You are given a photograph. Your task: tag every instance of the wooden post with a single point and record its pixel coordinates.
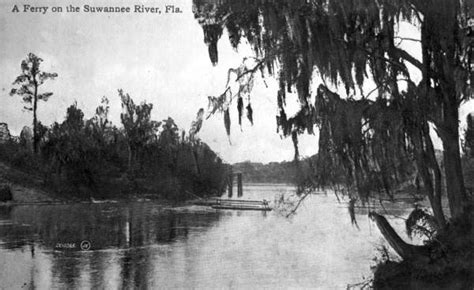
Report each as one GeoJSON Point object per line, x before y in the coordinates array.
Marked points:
{"type": "Point", "coordinates": [230, 183]}
{"type": "Point", "coordinates": [239, 185]}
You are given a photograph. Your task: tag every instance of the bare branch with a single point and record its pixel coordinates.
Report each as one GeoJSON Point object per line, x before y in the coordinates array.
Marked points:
{"type": "Point", "coordinates": [408, 57]}
{"type": "Point", "coordinates": [407, 38]}
{"type": "Point", "coordinates": [308, 192]}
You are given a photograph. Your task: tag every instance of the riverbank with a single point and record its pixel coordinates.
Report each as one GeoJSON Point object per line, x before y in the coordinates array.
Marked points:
{"type": "Point", "coordinates": [26, 195]}
{"type": "Point", "coordinates": [448, 265]}
{"type": "Point", "coordinates": [26, 188]}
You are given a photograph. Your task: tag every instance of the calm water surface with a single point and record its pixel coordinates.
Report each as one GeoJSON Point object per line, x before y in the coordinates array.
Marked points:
{"type": "Point", "coordinates": [151, 245]}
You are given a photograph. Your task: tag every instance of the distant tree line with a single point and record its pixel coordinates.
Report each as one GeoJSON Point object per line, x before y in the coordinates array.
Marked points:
{"type": "Point", "coordinates": [289, 172]}
{"type": "Point", "coordinates": [273, 172]}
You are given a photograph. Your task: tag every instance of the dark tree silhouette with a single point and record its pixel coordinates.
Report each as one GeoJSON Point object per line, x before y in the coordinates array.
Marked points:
{"type": "Point", "coordinates": [138, 126]}
{"type": "Point", "coordinates": [379, 138]}
{"type": "Point", "coordinates": [28, 83]}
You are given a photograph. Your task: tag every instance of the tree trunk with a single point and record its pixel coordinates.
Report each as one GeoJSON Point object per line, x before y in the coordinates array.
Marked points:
{"type": "Point", "coordinates": [454, 176]}
{"type": "Point", "coordinates": [404, 250]}
{"type": "Point", "coordinates": [35, 119]}
{"type": "Point", "coordinates": [440, 63]}
{"type": "Point", "coordinates": [129, 158]}
{"type": "Point", "coordinates": [449, 134]}
{"type": "Point", "coordinates": [428, 169]}
{"type": "Point", "coordinates": [433, 191]}
{"type": "Point", "coordinates": [446, 62]}
{"type": "Point", "coordinates": [436, 203]}
{"type": "Point", "coordinates": [196, 161]}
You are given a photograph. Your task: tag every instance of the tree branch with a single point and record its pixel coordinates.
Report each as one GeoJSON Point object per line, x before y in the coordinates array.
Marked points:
{"type": "Point", "coordinates": [299, 203]}
{"type": "Point", "coordinates": [408, 57]}
{"type": "Point", "coordinates": [407, 38]}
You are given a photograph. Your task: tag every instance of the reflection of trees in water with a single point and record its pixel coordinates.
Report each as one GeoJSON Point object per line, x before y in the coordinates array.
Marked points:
{"type": "Point", "coordinates": [98, 265]}
{"type": "Point", "coordinates": [5, 212]}
{"type": "Point", "coordinates": [65, 269]}
{"type": "Point", "coordinates": [131, 227]}
{"type": "Point", "coordinates": [105, 225]}
{"type": "Point", "coordinates": [12, 236]}
{"type": "Point", "coordinates": [136, 264]}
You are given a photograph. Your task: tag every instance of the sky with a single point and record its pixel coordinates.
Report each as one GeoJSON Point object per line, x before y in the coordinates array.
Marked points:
{"type": "Point", "coordinates": [160, 58]}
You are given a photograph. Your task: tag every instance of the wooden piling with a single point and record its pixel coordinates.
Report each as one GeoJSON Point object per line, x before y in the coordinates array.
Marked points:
{"type": "Point", "coordinates": [239, 185]}
{"type": "Point", "coordinates": [230, 183]}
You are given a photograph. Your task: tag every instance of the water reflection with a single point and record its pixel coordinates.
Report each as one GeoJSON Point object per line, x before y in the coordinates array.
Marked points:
{"type": "Point", "coordinates": [104, 225]}
{"type": "Point", "coordinates": [117, 232]}
{"type": "Point", "coordinates": [151, 245]}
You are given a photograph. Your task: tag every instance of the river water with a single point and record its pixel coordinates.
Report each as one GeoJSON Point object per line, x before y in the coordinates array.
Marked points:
{"type": "Point", "coordinates": [153, 245]}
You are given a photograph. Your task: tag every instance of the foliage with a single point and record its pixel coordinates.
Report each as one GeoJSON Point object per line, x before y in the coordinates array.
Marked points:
{"type": "Point", "coordinates": [381, 138]}
{"type": "Point", "coordinates": [421, 223]}
{"type": "Point", "coordinates": [327, 50]}
{"type": "Point", "coordinates": [138, 126]}
{"type": "Point", "coordinates": [275, 172]}
{"type": "Point", "coordinates": [90, 158]}
{"type": "Point", "coordinates": [197, 124]}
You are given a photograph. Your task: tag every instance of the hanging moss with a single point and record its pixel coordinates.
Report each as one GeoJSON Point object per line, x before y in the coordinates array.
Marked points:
{"type": "Point", "coordinates": [212, 33]}
{"type": "Point", "coordinates": [227, 121]}
{"type": "Point", "coordinates": [240, 107]}
{"type": "Point", "coordinates": [346, 42]}
{"type": "Point", "coordinates": [250, 113]}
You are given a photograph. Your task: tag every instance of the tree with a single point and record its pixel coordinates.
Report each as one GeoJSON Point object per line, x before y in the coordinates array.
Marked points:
{"type": "Point", "coordinates": [28, 83]}
{"type": "Point", "coordinates": [169, 143]}
{"type": "Point", "coordinates": [169, 135]}
{"type": "Point", "coordinates": [138, 126]}
{"type": "Point", "coordinates": [380, 136]}
{"type": "Point", "coordinates": [101, 118]}
{"type": "Point", "coordinates": [69, 150]}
